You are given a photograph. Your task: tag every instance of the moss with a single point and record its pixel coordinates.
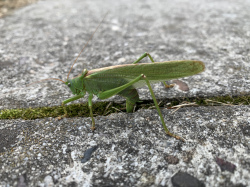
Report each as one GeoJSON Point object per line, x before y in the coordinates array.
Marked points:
{"type": "Point", "coordinates": [7, 6]}
{"type": "Point", "coordinates": [105, 108]}
{"type": "Point", "coordinates": [73, 110]}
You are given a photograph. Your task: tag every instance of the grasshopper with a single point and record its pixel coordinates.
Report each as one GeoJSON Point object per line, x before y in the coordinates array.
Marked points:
{"type": "Point", "coordinates": [124, 79]}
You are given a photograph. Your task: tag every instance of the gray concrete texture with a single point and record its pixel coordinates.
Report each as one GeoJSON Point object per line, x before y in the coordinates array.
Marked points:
{"type": "Point", "coordinates": [43, 39]}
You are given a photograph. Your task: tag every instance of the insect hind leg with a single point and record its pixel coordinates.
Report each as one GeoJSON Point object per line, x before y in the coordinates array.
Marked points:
{"type": "Point", "coordinates": [150, 57]}
{"type": "Point", "coordinates": [142, 57]}
{"type": "Point", "coordinates": [108, 93]}
{"type": "Point", "coordinates": [159, 111]}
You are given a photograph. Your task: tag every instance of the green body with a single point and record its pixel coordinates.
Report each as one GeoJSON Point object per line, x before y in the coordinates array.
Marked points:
{"type": "Point", "coordinates": [124, 79]}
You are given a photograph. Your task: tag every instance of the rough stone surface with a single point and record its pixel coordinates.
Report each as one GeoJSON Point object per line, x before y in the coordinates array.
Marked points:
{"type": "Point", "coordinates": [132, 148]}
{"type": "Point", "coordinates": [43, 39]}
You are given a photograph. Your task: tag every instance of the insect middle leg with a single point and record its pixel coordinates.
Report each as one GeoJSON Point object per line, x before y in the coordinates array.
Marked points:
{"type": "Point", "coordinates": [150, 57]}
{"type": "Point", "coordinates": [131, 96]}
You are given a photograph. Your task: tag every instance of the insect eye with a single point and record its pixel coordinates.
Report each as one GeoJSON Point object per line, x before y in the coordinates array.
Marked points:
{"type": "Point", "coordinates": [69, 84]}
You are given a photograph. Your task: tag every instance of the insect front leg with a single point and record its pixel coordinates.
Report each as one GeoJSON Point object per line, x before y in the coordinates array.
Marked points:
{"type": "Point", "coordinates": [90, 104]}
{"type": "Point", "coordinates": [150, 57]}
{"type": "Point", "coordinates": [67, 101]}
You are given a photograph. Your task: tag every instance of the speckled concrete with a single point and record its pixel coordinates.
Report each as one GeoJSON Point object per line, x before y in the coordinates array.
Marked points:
{"type": "Point", "coordinates": [133, 149]}
{"type": "Point", "coordinates": [42, 40]}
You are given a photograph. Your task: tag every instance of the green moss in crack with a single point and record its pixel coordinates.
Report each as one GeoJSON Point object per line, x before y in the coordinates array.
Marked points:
{"type": "Point", "coordinates": [73, 110]}
{"type": "Point", "coordinates": [105, 108]}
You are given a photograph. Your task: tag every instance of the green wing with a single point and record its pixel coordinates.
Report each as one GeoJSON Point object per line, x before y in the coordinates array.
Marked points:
{"type": "Point", "coordinates": [155, 72]}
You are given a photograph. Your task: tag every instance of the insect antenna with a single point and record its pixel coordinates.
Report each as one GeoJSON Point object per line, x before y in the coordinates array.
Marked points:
{"type": "Point", "coordinates": [75, 59]}
{"type": "Point", "coordinates": [45, 80]}
{"type": "Point", "coordinates": [86, 44]}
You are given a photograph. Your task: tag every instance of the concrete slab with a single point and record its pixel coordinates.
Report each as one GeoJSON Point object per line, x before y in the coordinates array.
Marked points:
{"type": "Point", "coordinates": [132, 149]}
{"type": "Point", "coordinates": [43, 39]}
